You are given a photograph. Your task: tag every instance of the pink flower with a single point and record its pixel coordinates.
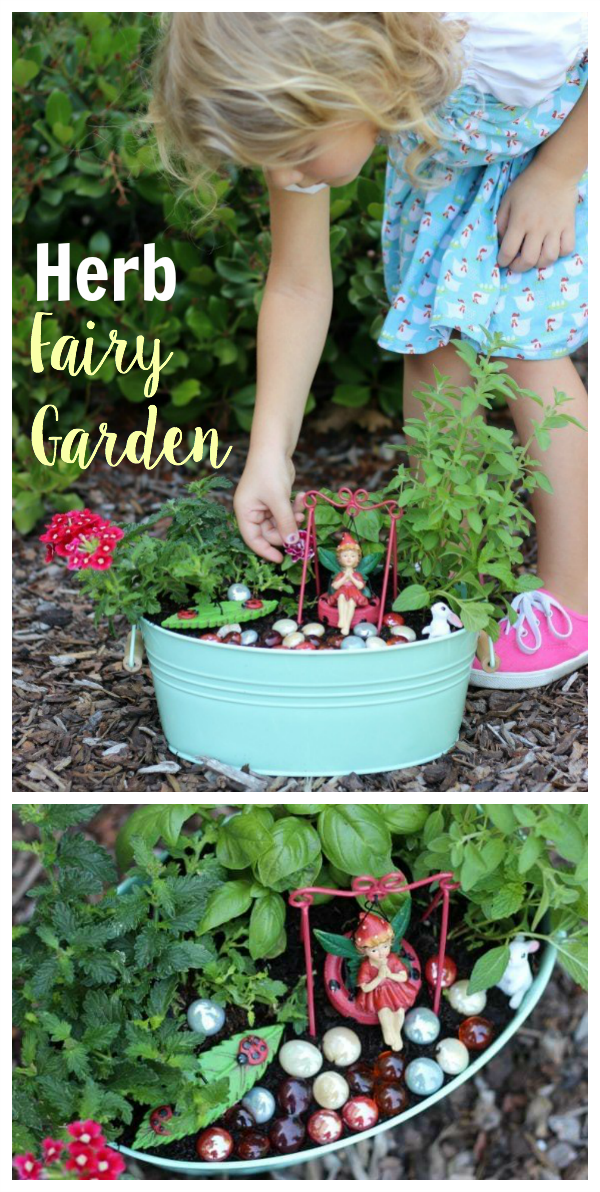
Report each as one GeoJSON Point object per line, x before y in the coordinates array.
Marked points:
{"type": "Point", "coordinates": [52, 1150]}
{"type": "Point", "coordinates": [88, 1133]}
{"type": "Point", "coordinates": [28, 1167]}
{"type": "Point", "coordinates": [109, 1164]}
{"type": "Point", "coordinates": [296, 549]}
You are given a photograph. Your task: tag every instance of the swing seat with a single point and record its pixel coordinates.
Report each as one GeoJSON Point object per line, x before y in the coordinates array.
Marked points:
{"type": "Point", "coordinates": [329, 614]}
{"type": "Point", "coordinates": [341, 997]}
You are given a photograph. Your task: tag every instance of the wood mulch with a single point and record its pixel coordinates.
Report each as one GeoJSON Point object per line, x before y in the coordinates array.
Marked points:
{"type": "Point", "coordinates": [524, 1117]}
{"type": "Point", "coordinates": [83, 724]}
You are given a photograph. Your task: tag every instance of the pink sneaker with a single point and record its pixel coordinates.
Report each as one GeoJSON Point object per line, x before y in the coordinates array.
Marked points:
{"type": "Point", "coordinates": [536, 649]}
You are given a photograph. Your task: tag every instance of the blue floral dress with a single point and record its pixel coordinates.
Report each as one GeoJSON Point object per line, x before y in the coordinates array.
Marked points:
{"type": "Point", "coordinates": [440, 245]}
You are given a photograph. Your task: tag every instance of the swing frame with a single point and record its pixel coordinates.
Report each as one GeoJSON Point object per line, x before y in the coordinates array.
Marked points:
{"type": "Point", "coordinates": [374, 889]}
{"type": "Point", "coordinates": [352, 502]}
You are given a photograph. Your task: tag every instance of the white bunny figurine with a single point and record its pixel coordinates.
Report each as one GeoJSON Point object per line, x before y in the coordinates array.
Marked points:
{"type": "Point", "coordinates": [442, 619]}
{"type": "Point", "coordinates": [517, 978]}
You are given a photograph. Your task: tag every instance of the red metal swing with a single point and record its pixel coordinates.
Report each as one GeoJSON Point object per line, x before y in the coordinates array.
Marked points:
{"type": "Point", "coordinates": [374, 889]}
{"type": "Point", "coordinates": [352, 503]}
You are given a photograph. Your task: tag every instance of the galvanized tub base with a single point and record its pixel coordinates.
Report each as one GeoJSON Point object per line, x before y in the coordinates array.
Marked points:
{"type": "Point", "coordinates": [277, 1162]}
{"type": "Point", "coordinates": [308, 714]}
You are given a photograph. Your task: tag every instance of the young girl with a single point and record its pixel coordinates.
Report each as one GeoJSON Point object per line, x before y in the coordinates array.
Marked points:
{"type": "Point", "coordinates": [383, 980]}
{"type": "Point", "coordinates": [484, 116]}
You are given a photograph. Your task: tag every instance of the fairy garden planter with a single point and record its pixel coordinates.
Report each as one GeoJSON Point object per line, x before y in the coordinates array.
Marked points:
{"type": "Point", "coordinates": [295, 671]}
{"type": "Point", "coordinates": [245, 997]}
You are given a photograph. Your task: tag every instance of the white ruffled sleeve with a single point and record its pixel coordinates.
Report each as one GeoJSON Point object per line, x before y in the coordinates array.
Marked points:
{"type": "Point", "coordinates": [520, 58]}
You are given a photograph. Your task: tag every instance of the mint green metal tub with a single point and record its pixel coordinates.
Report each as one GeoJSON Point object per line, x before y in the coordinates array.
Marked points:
{"type": "Point", "coordinates": [276, 1162]}
{"type": "Point", "coordinates": [301, 714]}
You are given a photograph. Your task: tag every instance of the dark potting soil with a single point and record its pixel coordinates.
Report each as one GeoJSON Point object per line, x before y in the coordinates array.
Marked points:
{"type": "Point", "coordinates": [338, 917]}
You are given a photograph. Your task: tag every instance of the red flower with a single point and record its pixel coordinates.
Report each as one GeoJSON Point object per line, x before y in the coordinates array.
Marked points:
{"type": "Point", "coordinates": [82, 537]}
{"type": "Point", "coordinates": [109, 1164]}
{"type": "Point", "coordinates": [83, 1159]}
{"type": "Point", "coordinates": [52, 1150]}
{"type": "Point", "coordinates": [28, 1167]}
{"type": "Point", "coordinates": [88, 1133]}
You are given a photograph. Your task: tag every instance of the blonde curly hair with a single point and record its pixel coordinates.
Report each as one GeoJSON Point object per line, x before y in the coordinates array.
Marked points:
{"type": "Point", "coordinates": [253, 87]}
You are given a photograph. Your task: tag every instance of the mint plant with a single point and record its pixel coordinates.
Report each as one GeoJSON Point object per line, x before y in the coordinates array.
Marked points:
{"type": "Point", "coordinates": [465, 518]}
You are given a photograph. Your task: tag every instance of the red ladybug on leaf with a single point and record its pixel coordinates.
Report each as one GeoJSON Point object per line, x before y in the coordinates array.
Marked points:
{"type": "Point", "coordinates": [253, 1050]}
{"type": "Point", "coordinates": [159, 1117]}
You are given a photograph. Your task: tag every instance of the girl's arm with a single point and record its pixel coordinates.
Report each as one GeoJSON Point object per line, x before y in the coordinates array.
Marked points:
{"type": "Point", "coordinates": [536, 218]}
{"type": "Point", "coordinates": [292, 328]}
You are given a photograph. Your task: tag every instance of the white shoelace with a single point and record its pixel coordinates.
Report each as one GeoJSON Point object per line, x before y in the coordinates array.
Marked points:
{"type": "Point", "coordinates": [526, 604]}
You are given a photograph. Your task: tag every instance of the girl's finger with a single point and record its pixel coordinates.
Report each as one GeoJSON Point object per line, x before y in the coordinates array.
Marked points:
{"type": "Point", "coordinates": [567, 242]}
{"type": "Point", "coordinates": [503, 216]}
{"type": "Point", "coordinates": [550, 251]}
{"type": "Point", "coordinates": [510, 245]}
{"type": "Point", "coordinates": [529, 255]}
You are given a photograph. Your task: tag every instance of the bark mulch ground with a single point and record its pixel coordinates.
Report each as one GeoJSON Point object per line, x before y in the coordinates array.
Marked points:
{"type": "Point", "coordinates": [83, 724]}
{"type": "Point", "coordinates": [524, 1117]}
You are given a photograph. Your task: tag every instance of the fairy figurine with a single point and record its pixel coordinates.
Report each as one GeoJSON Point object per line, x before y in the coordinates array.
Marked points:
{"type": "Point", "coordinates": [373, 974]}
{"type": "Point", "coordinates": [383, 979]}
{"type": "Point", "coordinates": [347, 586]}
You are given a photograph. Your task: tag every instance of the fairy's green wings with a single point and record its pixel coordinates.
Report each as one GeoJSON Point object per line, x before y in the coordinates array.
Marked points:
{"type": "Point", "coordinates": [342, 945]}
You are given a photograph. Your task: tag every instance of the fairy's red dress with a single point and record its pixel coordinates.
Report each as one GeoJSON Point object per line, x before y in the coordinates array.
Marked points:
{"type": "Point", "coordinates": [390, 994]}
{"type": "Point", "coordinates": [349, 590]}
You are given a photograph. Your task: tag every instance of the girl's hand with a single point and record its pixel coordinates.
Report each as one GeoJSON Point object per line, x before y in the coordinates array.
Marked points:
{"type": "Point", "coordinates": [263, 508]}
{"type": "Point", "coordinates": [536, 219]}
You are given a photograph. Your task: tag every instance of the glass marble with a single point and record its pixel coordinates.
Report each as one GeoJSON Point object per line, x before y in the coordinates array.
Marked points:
{"type": "Point", "coordinates": [403, 631]}
{"type": "Point", "coordinates": [452, 1056]}
{"type": "Point", "coordinates": [421, 1026]}
{"type": "Point", "coordinates": [261, 1104]}
{"type": "Point", "coordinates": [389, 1066]}
{"type": "Point", "coordinates": [365, 629]}
{"type": "Point", "coordinates": [330, 1090]}
{"type": "Point", "coordinates": [353, 643]}
{"type": "Point", "coordinates": [375, 643]}
{"type": "Point", "coordinates": [238, 1118]}
{"type": "Point", "coordinates": [214, 1145]}
{"type": "Point", "coordinates": [251, 1144]}
{"type": "Point", "coordinates": [287, 1135]}
{"type": "Point", "coordinates": [271, 638]}
{"type": "Point", "coordinates": [239, 592]}
{"type": "Point", "coordinates": [341, 1046]}
{"type": "Point", "coordinates": [424, 1077]}
{"type": "Point", "coordinates": [476, 1033]}
{"type": "Point", "coordinates": [360, 1113]}
{"type": "Point", "coordinates": [463, 1002]}
{"type": "Point", "coordinates": [325, 1126]}
{"type": "Point", "coordinates": [390, 619]}
{"type": "Point", "coordinates": [390, 1099]}
{"type": "Point", "coordinates": [249, 637]}
{"type": "Point", "coordinates": [285, 626]}
{"type": "Point", "coordinates": [205, 1017]}
{"type": "Point", "coordinates": [299, 1058]}
{"type": "Point", "coordinates": [360, 1077]}
{"type": "Point", "coordinates": [449, 971]}
{"type": "Point", "coordinates": [294, 1096]}
{"type": "Point", "coordinates": [313, 629]}
{"type": "Point", "coordinates": [293, 639]}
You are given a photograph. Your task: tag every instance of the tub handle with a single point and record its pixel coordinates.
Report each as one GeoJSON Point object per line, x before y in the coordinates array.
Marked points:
{"type": "Point", "coordinates": [134, 651]}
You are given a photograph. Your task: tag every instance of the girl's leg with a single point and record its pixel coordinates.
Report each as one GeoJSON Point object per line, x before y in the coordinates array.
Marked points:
{"type": "Point", "coordinates": [418, 371]}
{"type": "Point", "coordinates": [561, 516]}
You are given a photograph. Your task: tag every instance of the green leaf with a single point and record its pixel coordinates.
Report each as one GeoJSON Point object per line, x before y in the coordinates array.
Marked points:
{"type": "Point", "coordinates": [266, 924]}
{"type": "Point", "coordinates": [573, 956]}
{"type": "Point", "coordinates": [356, 840]}
{"type": "Point", "coordinates": [243, 837]}
{"type": "Point", "coordinates": [151, 824]}
{"type": "Point", "coordinates": [489, 969]}
{"type": "Point", "coordinates": [530, 852]}
{"type": "Point", "coordinates": [413, 597]}
{"type": "Point", "coordinates": [227, 902]}
{"type": "Point", "coordinates": [294, 845]}
{"type": "Point", "coordinates": [24, 70]}
{"type": "Point", "coordinates": [185, 392]}
{"type": "Point", "coordinates": [222, 1061]}
{"type": "Point", "coordinates": [405, 818]}
{"type": "Point", "coordinates": [58, 108]}
{"type": "Point", "coordinates": [565, 835]}
{"type": "Point", "coordinates": [505, 902]}
{"type": "Point", "coordinates": [501, 817]}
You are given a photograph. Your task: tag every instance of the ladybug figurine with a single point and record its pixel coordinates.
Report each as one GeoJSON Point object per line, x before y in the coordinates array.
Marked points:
{"type": "Point", "coordinates": [159, 1117]}
{"type": "Point", "coordinates": [253, 1050]}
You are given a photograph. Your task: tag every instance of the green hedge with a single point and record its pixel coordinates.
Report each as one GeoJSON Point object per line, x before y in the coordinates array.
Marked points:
{"type": "Point", "coordinates": [85, 176]}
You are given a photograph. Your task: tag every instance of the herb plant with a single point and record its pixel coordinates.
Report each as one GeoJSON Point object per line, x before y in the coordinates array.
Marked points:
{"type": "Point", "coordinates": [465, 518]}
